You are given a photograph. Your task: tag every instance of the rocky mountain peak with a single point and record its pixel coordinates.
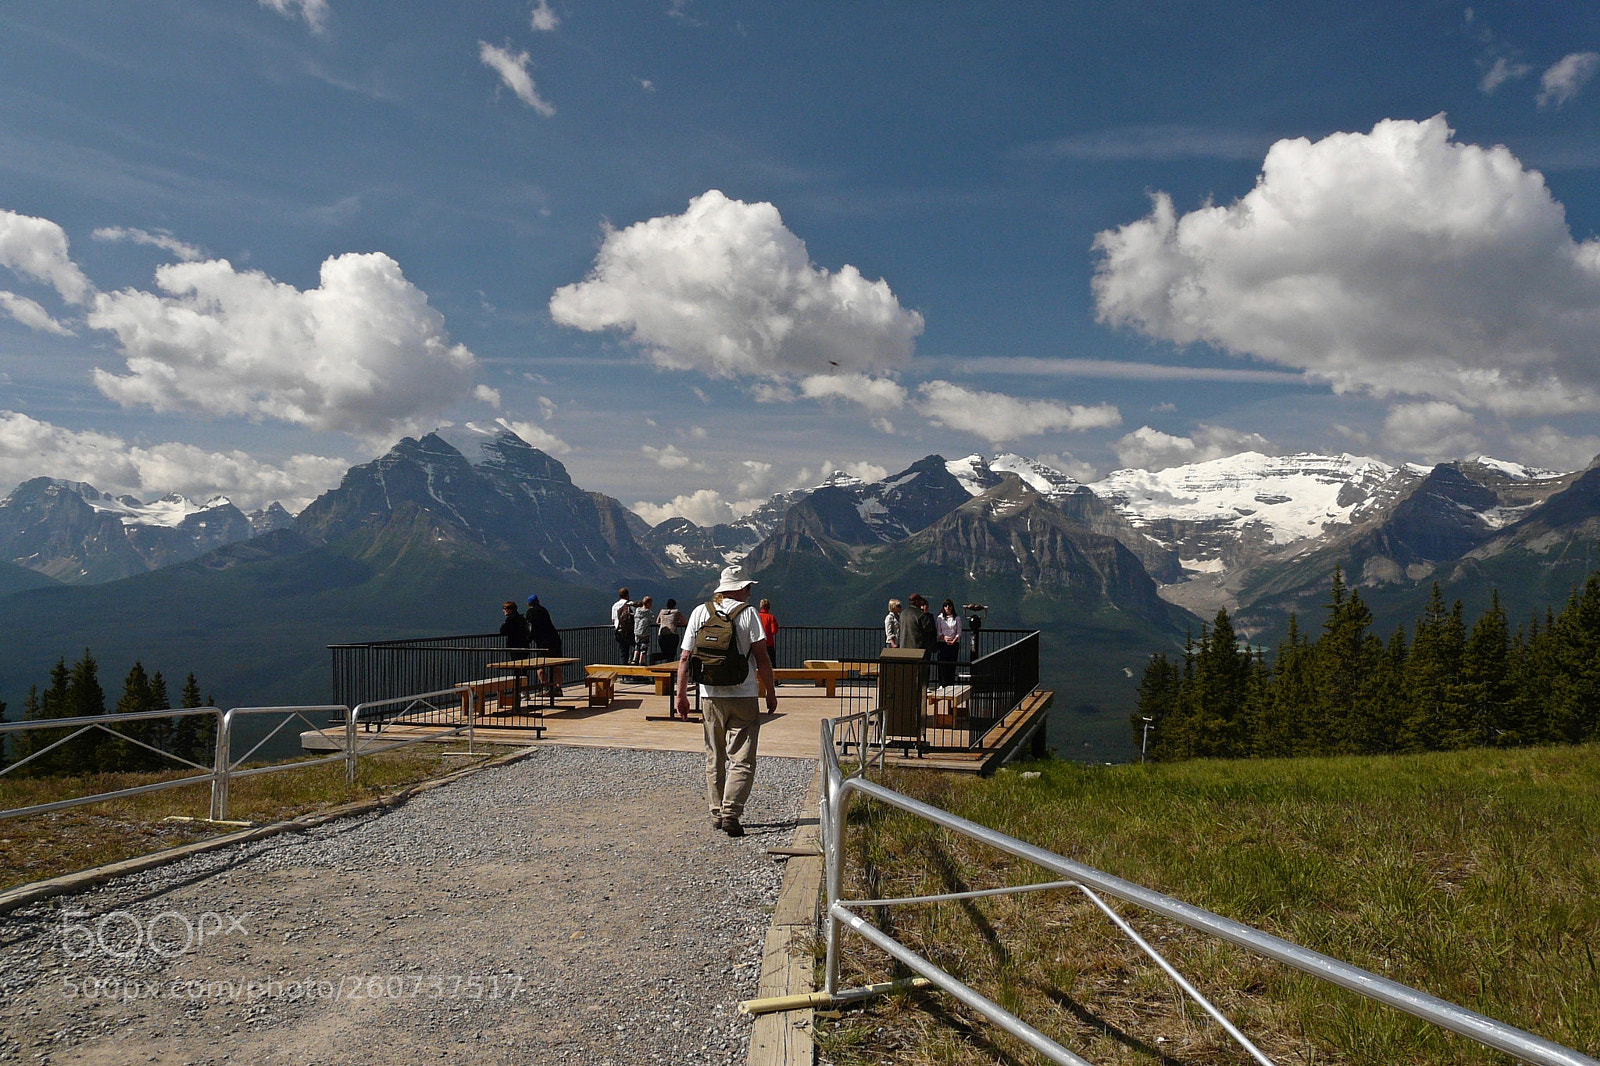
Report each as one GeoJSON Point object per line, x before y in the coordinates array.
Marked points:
{"type": "Point", "coordinates": [493, 447]}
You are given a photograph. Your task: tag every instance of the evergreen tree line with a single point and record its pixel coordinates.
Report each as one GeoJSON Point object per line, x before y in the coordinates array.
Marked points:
{"type": "Point", "coordinates": [1348, 691]}
{"type": "Point", "coordinates": [75, 691]}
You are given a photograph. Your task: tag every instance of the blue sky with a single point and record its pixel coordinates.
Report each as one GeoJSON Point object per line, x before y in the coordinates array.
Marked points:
{"type": "Point", "coordinates": [705, 251]}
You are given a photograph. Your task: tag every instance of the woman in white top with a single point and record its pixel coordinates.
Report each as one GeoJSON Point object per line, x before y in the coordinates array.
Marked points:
{"type": "Point", "coordinates": [891, 625]}
{"type": "Point", "coordinates": [948, 648]}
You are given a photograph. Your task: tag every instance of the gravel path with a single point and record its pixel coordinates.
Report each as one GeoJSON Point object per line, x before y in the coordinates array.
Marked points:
{"type": "Point", "coordinates": [572, 907]}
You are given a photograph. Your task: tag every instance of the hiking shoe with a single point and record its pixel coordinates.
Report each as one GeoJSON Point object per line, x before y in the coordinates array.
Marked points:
{"type": "Point", "coordinates": [716, 821]}
{"type": "Point", "coordinates": [732, 827]}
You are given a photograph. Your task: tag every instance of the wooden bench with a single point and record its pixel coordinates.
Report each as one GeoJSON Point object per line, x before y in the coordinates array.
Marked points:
{"type": "Point", "coordinates": [505, 691]}
{"type": "Point", "coordinates": [661, 673]}
{"type": "Point", "coordinates": [602, 683]}
{"type": "Point", "coordinates": [946, 704]}
{"type": "Point", "coordinates": [824, 677]}
{"type": "Point", "coordinates": [665, 675]}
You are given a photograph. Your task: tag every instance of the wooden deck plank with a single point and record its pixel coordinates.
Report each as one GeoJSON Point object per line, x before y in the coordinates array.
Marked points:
{"type": "Point", "coordinates": [637, 719]}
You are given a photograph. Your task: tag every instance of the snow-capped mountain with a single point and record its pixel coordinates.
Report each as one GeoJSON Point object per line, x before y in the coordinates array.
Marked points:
{"type": "Point", "coordinates": [73, 532]}
{"type": "Point", "coordinates": [978, 475]}
{"type": "Point", "coordinates": [1218, 512]}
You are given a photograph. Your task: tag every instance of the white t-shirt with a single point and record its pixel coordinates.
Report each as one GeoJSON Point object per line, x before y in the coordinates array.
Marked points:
{"type": "Point", "coordinates": [617, 610]}
{"type": "Point", "coordinates": [747, 634]}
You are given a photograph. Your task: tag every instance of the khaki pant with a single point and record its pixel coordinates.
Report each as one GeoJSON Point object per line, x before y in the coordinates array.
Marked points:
{"type": "Point", "coordinates": [732, 724]}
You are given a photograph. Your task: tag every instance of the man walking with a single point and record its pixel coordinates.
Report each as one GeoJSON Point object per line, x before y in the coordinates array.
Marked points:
{"type": "Point", "coordinates": [732, 708]}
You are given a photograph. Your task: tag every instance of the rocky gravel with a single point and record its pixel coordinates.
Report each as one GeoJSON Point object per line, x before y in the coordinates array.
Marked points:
{"type": "Point", "coordinates": [575, 906]}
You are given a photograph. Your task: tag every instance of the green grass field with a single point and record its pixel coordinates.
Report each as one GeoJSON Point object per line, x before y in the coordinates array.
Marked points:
{"type": "Point", "coordinates": [1474, 876]}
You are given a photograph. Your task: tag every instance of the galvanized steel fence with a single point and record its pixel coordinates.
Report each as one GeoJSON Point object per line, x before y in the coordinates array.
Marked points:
{"type": "Point", "coordinates": [839, 787]}
{"type": "Point", "coordinates": [452, 711]}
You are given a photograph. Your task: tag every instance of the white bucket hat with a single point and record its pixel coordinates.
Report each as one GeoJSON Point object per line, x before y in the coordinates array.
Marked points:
{"type": "Point", "coordinates": [733, 579]}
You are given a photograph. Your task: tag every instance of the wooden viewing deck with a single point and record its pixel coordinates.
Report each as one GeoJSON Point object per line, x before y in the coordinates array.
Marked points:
{"type": "Point", "coordinates": [637, 718]}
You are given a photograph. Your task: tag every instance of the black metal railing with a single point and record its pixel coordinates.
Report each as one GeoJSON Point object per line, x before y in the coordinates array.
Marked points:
{"type": "Point", "coordinates": [388, 669]}
{"type": "Point", "coordinates": [944, 706]}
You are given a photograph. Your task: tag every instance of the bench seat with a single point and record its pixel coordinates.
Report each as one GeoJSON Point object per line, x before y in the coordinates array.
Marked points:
{"type": "Point", "coordinates": [505, 691]}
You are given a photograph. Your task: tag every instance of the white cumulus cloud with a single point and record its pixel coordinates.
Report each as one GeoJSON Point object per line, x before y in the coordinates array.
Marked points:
{"type": "Point", "coordinates": [1071, 466]}
{"type": "Point", "coordinates": [1553, 449]}
{"type": "Point", "coordinates": [31, 314]}
{"type": "Point", "coordinates": [875, 394]}
{"type": "Point", "coordinates": [1392, 262]}
{"type": "Point", "coordinates": [537, 436]}
{"type": "Point", "coordinates": [1147, 448]}
{"type": "Point", "coordinates": [670, 458]}
{"type": "Point", "coordinates": [513, 71]}
{"type": "Point", "coordinates": [30, 448]}
{"type": "Point", "coordinates": [1431, 432]}
{"type": "Point", "coordinates": [1562, 81]}
{"type": "Point", "coordinates": [997, 418]}
{"type": "Point", "coordinates": [189, 253]}
{"type": "Point", "coordinates": [36, 248]}
{"type": "Point", "coordinates": [703, 507]}
{"type": "Point", "coordinates": [363, 352]}
{"type": "Point", "coordinates": [727, 289]}
{"type": "Point", "coordinates": [754, 476]}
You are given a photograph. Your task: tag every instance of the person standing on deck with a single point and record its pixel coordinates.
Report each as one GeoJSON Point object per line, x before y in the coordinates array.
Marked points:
{"type": "Point", "coordinates": [732, 712]}
{"type": "Point", "coordinates": [515, 627]}
{"type": "Point", "coordinates": [669, 627]}
{"type": "Point", "coordinates": [543, 634]}
{"type": "Point", "coordinates": [769, 626]}
{"type": "Point", "coordinates": [891, 625]}
{"type": "Point", "coordinates": [948, 649]}
{"type": "Point", "coordinates": [622, 625]}
{"type": "Point", "coordinates": [643, 616]}
{"type": "Point", "coordinates": [918, 630]}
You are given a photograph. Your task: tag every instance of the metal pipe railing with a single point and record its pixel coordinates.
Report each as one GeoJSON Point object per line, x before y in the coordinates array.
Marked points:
{"type": "Point", "coordinates": [838, 788]}
{"type": "Point", "coordinates": [104, 723]}
{"type": "Point", "coordinates": [225, 768]}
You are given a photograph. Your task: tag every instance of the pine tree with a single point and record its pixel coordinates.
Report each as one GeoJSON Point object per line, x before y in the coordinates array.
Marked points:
{"type": "Point", "coordinates": [138, 695]}
{"type": "Point", "coordinates": [1485, 677]}
{"type": "Point", "coordinates": [1434, 716]}
{"type": "Point", "coordinates": [194, 735]}
{"type": "Point", "coordinates": [1159, 693]}
{"type": "Point", "coordinates": [1346, 655]}
{"type": "Point", "coordinates": [53, 702]}
{"type": "Point", "coordinates": [1574, 697]}
{"type": "Point", "coordinates": [1291, 721]}
{"type": "Point", "coordinates": [1216, 703]}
